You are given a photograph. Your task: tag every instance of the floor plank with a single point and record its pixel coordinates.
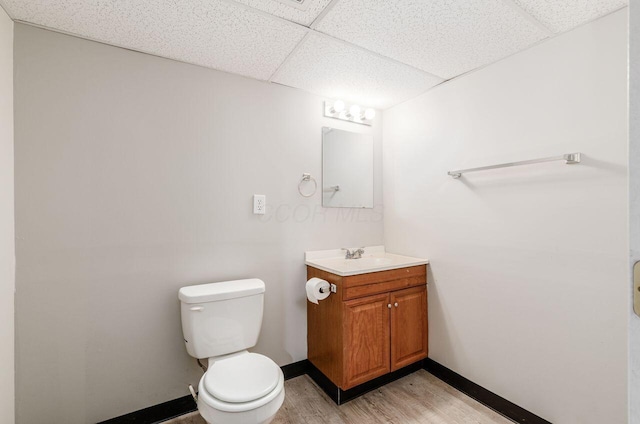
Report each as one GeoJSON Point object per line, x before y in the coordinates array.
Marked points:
{"type": "Point", "coordinates": [419, 398]}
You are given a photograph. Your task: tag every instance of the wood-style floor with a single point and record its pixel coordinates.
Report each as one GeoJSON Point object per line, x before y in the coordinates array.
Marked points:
{"type": "Point", "coordinates": [416, 398]}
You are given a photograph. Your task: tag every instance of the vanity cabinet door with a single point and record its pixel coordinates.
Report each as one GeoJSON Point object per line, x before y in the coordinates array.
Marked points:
{"type": "Point", "coordinates": [409, 338]}
{"type": "Point", "coordinates": [366, 339]}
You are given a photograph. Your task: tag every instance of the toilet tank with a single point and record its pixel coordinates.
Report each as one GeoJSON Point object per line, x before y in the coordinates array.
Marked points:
{"type": "Point", "coordinates": [221, 318]}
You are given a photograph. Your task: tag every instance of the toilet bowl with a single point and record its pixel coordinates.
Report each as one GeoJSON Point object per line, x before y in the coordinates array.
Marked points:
{"type": "Point", "coordinates": [243, 388]}
{"type": "Point", "coordinates": [220, 321]}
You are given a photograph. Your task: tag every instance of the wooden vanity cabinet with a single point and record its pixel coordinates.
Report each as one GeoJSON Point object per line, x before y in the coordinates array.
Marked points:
{"type": "Point", "coordinates": [376, 323]}
{"type": "Point", "coordinates": [366, 339]}
{"type": "Point", "coordinates": [409, 341]}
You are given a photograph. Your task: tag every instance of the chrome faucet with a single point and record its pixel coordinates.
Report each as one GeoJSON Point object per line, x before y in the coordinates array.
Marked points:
{"type": "Point", "coordinates": [355, 254]}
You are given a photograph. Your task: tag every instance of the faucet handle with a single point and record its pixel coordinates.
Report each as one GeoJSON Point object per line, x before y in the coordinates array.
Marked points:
{"type": "Point", "coordinates": [349, 254]}
{"type": "Point", "coordinates": [357, 254]}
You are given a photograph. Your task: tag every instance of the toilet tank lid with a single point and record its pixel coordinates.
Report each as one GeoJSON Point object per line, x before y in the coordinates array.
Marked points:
{"type": "Point", "coordinates": [213, 292]}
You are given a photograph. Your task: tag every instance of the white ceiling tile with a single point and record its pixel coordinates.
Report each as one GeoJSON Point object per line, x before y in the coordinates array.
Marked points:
{"type": "Point", "coordinates": [560, 16]}
{"type": "Point", "coordinates": [335, 69]}
{"type": "Point", "coordinates": [304, 14]}
{"type": "Point", "coordinates": [212, 33]}
{"type": "Point", "coordinates": [443, 37]}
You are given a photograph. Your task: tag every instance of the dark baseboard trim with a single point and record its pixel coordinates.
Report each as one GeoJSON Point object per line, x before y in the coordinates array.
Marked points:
{"type": "Point", "coordinates": [296, 369]}
{"type": "Point", "coordinates": [184, 405]}
{"type": "Point", "coordinates": [489, 399]}
{"type": "Point", "coordinates": [340, 396]}
{"type": "Point", "coordinates": [174, 408]}
{"type": "Point", "coordinates": [157, 413]}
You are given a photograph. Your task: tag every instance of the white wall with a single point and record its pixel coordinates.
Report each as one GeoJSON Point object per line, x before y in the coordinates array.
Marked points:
{"type": "Point", "coordinates": [634, 204]}
{"type": "Point", "coordinates": [528, 288]}
{"type": "Point", "coordinates": [7, 243]}
{"type": "Point", "coordinates": [134, 177]}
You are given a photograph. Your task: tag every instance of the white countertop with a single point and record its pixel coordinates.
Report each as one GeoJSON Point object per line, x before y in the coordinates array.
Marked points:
{"type": "Point", "coordinates": [374, 259]}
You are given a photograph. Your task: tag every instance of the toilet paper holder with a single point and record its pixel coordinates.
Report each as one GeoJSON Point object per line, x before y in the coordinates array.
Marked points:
{"type": "Point", "coordinates": [332, 288]}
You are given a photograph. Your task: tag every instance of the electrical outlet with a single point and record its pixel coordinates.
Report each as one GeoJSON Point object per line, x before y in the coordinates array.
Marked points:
{"type": "Point", "coordinates": [259, 204]}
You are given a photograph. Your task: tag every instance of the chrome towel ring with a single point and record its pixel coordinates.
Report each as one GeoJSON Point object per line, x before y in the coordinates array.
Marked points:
{"type": "Point", "coordinates": [305, 178]}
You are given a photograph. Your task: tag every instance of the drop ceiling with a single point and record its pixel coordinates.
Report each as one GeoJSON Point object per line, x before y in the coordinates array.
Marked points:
{"type": "Point", "coordinates": [374, 52]}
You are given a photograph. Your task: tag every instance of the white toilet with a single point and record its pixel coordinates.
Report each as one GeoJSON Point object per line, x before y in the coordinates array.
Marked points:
{"type": "Point", "coordinates": [219, 322]}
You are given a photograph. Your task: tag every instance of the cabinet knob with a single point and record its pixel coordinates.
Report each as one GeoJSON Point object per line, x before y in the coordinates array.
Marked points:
{"type": "Point", "coordinates": [395, 304]}
{"type": "Point", "coordinates": [389, 306]}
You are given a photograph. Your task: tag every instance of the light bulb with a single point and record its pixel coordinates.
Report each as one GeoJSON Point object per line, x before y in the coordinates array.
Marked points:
{"type": "Point", "coordinates": [354, 111]}
{"type": "Point", "coordinates": [369, 114]}
{"type": "Point", "coordinates": [338, 106]}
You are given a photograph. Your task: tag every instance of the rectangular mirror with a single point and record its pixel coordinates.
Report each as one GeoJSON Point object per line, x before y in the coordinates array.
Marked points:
{"type": "Point", "coordinates": [347, 169]}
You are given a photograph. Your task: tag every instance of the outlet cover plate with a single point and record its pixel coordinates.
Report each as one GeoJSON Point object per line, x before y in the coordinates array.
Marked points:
{"type": "Point", "coordinates": [259, 204]}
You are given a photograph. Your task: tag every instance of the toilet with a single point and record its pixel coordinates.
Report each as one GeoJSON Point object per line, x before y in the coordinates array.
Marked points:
{"type": "Point", "coordinates": [220, 321]}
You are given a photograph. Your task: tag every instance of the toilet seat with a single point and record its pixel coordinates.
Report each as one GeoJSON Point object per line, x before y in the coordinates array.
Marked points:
{"type": "Point", "coordinates": [242, 378]}
{"type": "Point", "coordinates": [208, 382]}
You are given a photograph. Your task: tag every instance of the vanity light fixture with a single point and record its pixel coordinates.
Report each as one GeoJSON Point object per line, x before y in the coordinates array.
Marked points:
{"type": "Point", "coordinates": [369, 114]}
{"type": "Point", "coordinates": [338, 107]}
{"type": "Point", "coordinates": [354, 113]}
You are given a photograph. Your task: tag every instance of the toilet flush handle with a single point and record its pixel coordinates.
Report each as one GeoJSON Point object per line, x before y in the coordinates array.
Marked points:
{"type": "Point", "coordinates": [197, 308]}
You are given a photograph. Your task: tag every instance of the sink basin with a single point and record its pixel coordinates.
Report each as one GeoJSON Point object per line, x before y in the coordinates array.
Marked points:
{"type": "Point", "coordinates": [374, 259]}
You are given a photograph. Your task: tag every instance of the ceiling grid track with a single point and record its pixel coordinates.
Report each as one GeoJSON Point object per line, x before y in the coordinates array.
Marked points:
{"type": "Point", "coordinates": [381, 56]}
{"type": "Point", "coordinates": [289, 56]}
{"type": "Point", "coordinates": [518, 9]}
{"type": "Point", "coordinates": [311, 29]}
{"type": "Point", "coordinates": [322, 14]}
{"type": "Point", "coordinates": [265, 14]}
{"type": "Point", "coordinates": [315, 22]}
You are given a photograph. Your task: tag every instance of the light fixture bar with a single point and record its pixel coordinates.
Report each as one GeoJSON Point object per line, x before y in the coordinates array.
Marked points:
{"type": "Point", "coordinates": [349, 112]}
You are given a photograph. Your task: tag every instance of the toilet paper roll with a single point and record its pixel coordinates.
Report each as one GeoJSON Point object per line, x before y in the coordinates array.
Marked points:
{"type": "Point", "coordinates": [313, 287]}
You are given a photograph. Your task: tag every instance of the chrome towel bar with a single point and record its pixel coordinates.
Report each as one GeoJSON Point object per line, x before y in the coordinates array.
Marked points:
{"type": "Point", "coordinates": [569, 158]}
